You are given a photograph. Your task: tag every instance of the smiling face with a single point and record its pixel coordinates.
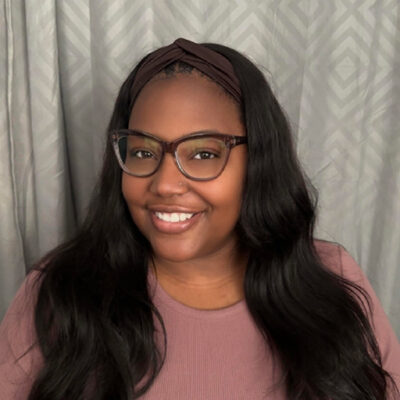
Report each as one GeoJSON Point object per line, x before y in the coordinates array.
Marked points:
{"type": "Point", "coordinates": [169, 109]}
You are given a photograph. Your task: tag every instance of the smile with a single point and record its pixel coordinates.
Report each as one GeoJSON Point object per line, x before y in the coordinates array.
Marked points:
{"type": "Point", "coordinates": [174, 222]}
{"type": "Point", "coordinates": [173, 217]}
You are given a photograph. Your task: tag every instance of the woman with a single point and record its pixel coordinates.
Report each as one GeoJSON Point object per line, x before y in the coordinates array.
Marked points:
{"type": "Point", "coordinates": [196, 274]}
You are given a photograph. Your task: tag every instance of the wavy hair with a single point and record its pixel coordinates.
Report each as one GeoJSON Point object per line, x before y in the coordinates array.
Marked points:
{"type": "Point", "coordinates": [94, 315]}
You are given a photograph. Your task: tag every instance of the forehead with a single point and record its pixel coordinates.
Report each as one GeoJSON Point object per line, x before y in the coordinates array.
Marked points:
{"type": "Point", "coordinates": [176, 106]}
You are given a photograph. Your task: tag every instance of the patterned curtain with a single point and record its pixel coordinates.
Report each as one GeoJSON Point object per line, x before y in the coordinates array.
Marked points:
{"type": "Point", "coordinates": [334, 65]}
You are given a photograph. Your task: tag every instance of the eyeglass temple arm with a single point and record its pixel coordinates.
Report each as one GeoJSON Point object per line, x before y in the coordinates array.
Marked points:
{"type": "Point", "coordinates": [236, 140]}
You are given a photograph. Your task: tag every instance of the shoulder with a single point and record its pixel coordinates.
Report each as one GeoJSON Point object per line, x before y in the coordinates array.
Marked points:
{"type": "Point", "coordinates": [19, 354]}
{"type": "Point", "coordinates": [338, 260]}
{"type": "Point", "coordinates": [335, 258]}
{"type": "Point", "coordinates": [17, 327]}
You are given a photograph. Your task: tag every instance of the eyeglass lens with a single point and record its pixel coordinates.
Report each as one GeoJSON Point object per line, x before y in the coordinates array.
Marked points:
{"type": "Point", "coordinates": [200, 158]}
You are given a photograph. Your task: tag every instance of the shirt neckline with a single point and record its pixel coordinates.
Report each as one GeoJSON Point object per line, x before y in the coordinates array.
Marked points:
{"type": "Point", "coordinates": [160, 296]}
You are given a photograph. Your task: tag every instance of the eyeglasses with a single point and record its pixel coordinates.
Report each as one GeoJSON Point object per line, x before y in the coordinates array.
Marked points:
{"type": "Point", "coordinates": [200, 156]}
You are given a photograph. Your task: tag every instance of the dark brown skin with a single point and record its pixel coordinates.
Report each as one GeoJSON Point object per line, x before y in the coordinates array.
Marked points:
{"type": "Point", "coordinates": [200, 267]}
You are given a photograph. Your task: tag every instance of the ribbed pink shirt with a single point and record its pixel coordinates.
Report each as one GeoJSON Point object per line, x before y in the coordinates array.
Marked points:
{"type": "Point", "coordinates": [211, 355]}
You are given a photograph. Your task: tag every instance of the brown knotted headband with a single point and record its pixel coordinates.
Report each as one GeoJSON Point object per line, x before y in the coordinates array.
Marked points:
{"type": "Point", "coordinates": [209, 62]}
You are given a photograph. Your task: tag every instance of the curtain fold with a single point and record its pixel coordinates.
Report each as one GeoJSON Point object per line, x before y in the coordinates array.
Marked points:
{"type": "Point", "coordinates": [36, 210]}
{"type": "Point", "coordinates": [334, 65]}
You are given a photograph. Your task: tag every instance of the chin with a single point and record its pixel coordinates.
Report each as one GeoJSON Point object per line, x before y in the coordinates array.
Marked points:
{"type": "Point", "coordinates": [174, 257]}
{"type": "Point", "coordinates": [174, 254]}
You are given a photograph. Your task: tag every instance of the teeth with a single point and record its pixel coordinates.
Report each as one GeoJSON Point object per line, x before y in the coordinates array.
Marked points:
{"type": "Point", "coordinates": [173, 217]}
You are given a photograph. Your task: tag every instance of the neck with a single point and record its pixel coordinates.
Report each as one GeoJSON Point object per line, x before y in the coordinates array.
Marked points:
{"type": "Point", "coordinates": [210, 283]}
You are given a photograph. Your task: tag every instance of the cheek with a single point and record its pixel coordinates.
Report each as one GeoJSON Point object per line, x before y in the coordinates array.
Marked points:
{"type": "Point", "coordinates": [127, 188]}
{"type": "Point", "coordinates": [133, 190]}
{"type": "Point", "coordinates": [232, 189]}
{"type": "Point", "coordinates": [226, 197]}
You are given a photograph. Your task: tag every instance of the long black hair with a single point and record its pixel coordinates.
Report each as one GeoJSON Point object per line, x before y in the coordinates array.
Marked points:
{"type": "Point", "coordinates": [94, 317]}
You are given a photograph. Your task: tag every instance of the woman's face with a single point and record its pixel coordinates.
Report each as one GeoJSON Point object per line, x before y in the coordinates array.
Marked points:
{"type": "Point", "coordinates": [170, 108]}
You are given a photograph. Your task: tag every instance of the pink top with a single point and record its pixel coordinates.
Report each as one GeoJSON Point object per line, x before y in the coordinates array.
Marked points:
{"type": "Point", "coordinates": [215, 354]}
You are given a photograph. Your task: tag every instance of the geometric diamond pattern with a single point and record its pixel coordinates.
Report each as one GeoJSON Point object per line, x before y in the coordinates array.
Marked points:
{"type": "Point", "coordinates": [332, 64]}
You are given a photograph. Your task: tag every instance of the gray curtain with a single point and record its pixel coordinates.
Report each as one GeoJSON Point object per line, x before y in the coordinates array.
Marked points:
{"type": "Point", "coordinates": [334, 65]}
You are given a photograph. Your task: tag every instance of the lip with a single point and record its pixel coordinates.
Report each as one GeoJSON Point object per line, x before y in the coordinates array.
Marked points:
{"type": "Point", "coordinates": [172, 209]}
{"type": "Point", "coordinates": [174, 227]}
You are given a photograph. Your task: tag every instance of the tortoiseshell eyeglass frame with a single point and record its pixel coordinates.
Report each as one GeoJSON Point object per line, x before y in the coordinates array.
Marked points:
{"type": "Point", "coordinates": [230, 142]}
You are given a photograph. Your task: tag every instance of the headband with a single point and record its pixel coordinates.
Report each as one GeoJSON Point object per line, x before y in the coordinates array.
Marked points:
{"type": "Point", "coordinates": [211, 63]}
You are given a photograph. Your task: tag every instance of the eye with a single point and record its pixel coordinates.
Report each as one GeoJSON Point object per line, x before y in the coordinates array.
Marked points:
{"type": "Point", "coordinates": [141, 154]}
{"type": "Point", "coordinates": [205, 155]}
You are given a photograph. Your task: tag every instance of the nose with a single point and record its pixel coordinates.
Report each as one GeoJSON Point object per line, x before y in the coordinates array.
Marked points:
{"type": "Point", "coordinates": [168, 180]}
